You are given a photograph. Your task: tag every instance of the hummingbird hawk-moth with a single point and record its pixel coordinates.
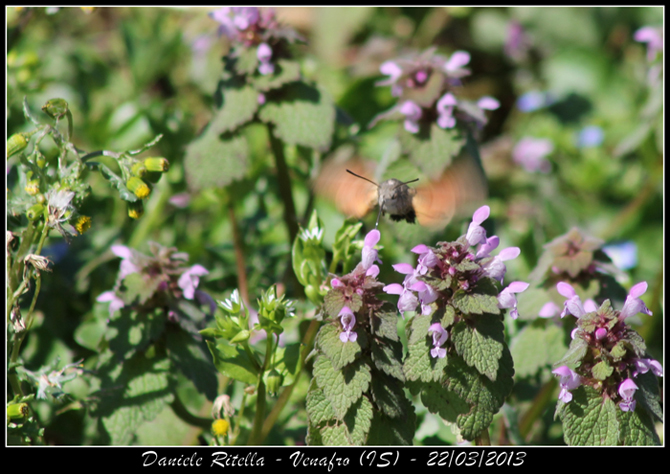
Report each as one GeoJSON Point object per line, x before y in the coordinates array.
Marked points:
{"type": "Point", "coordinates": [433, 204]}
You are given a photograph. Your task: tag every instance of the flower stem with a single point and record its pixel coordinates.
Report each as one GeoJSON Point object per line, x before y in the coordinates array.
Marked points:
{"type": "Point", "coordinates": [238, 244]}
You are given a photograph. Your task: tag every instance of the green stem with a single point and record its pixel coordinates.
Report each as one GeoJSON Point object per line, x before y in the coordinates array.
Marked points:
{"type": "Point", "coordinates": [284, 184]}
{"type": "Point", "coordinates": [152, 216]}
{"type": "Point", "coordinates": [254, 437]}
{"type": "Point", "coordinates": [238, 245]}
{"type": "Point", "coordinates": [182, 412]}
{"type": "Point", "coordinates": [537, 407]}
{"type": "Point", "coordinates": [308, 341]}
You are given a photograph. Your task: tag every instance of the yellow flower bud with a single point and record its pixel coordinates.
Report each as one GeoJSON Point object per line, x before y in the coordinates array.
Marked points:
{"type": "Point", "coordinates": [138, 187]}
{"type": "Point", "coordinates": [138, 169]}
{"type": "Point", "coordinates": [17, 410]}
{"type": "Point", "coordinates": [135, 209]}
{"type": "Point", "coordinates": [16, 143]}
{"type": "Point", "coordinates": [32, 187]}
{"type": "Point", "coordinates": [157, 164]}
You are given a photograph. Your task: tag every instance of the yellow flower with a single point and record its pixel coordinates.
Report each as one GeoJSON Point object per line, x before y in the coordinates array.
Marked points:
{"type": "Point", "coordinates": [82, 224]}
{"type": "Point", "coordinates": [220, 427]}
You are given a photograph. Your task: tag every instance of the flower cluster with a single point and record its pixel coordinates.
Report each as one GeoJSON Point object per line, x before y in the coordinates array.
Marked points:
{"type": "Point", "coordinates": [425, 86]}
{"type": "Point", "coordinates": [453, 267]}
{"type": "Point", "coordinates": [356, 290]}
{"type": "Point", "coordinates": [613, 354]}
{"type": "Point", "coordinates": [162, 279]}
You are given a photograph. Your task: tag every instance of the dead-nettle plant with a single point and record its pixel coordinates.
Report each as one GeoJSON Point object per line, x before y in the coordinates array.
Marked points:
{"type": "Point", "coordinates": [453, 302]}
{"type": "Point", "coordinates": [48, 191]}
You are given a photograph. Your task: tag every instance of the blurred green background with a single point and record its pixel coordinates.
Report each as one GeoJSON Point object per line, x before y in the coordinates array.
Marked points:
{"type": "Point", "coordinates": [574, 77]}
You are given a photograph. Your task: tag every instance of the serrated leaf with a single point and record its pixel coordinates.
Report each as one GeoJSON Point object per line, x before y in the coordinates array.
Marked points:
{"type": "Point", "coordinates": [233, 362]}
{"type": "Point", "coordinates": [389, 397]}
{"type": "Point", "coordinates": [385, 324]}
{"type": "Point", "coordinates": [588, 419]}
{"type": "Point", "coordinates": [132, 393]}
{"type": "Point", "coordinates": [192, 358]}
{"type": "Point", "coordinates": [575, 354]}
{"type": "Point", "coordinates": [432, 153]}
{"type": "Point", "coordinates": [135, 330]}
{"type": "Point", "coordinates": [358, 421]}
{"type": "Point", "coordinates": [602, 370]}
{"type": "Point", "coordinates": [443, 402]}
{"type": "Point", "coordinates": [534, 348]}
{"type": "Point", "coordinates": [480, 343]}
{"type": "Point", "coordinates": [285, 71]}
{"type": "Point", "coordinates": [637, 429]}
{"type": "Point", "coordinates": [386, 431]}
{"type": "Point", "coordinates": [333, 303]}
{"type": "Point", "coordinates": [214, 162]}
{"type": "Point", "coordinates": [304, 116]}
{"type": "Point", "coordinates": [483, 395]}
{"type": "Point", "coordinates": [238, 107]}
{"type": "Point", "coordinates": [319, 409]}
{"type": "Point", "coordinates": [387, 357]}
{"type": "Point", "coordinates": [342, 388]}
{"type": "Point", "coordinates": [475, 303]}
{"type": "Point", "coordinates": [419, 365]}
{"type": "Point", "coordinates": [648, 394]}
{"type": "Point", "coordinates": [339, 353]}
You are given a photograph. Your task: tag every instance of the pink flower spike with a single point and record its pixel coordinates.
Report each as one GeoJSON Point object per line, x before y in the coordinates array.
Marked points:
{"type": "Point", "coordinates": [457, 61]}
{"type": "Point", "coordinates": [421, 248]}
{"type": "Point", "coordinates": [390, 68]}
{"type": "Point", "coordinates": [634, 304]}
{"type": "Point", "coordinates": [373, 271]}
{"type": "Point", "coordinates": [372, 238]}
{"type": "Point", "coordinates": [481, 214]}
{"type": "Point", "coordinates": [564, 289]}
{"type": "Point", "coordinates": [121, 251]}
{"type": "Point", "coordinates": [569, 380]}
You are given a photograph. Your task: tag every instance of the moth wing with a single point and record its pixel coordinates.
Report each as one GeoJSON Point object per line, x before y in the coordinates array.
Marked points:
{"type": "Point", "coordinates": [353, 196]}
{"type": "Point", "coordinates": [458, 191]}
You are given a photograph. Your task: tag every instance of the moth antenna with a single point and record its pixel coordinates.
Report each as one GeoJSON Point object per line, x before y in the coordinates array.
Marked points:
{"type": "Point", "coordinates": [359, 176]}
{"type": "Point", "coordinates": [407, 182]}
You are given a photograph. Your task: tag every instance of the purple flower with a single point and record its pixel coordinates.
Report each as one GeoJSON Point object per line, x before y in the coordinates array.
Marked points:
{"type": "Point", "coordinates": [115, 303]}
{"type": "Point", "coordinates": [506, 298]}
{"type": "Point", "coordinates": [234, 20]}
{"type": "Point", "coordinates": [427, 258]}
{"type": "Point", "coordinates": [531, 154]}
{"type": "Point", "coordinates": [348, 320]}
{"type": "Point", "coordinates": [264, 55]}
{"type": "Point", "coordinates": [590, 137]}
{"type": "Point", "coordinates": [517, 42]}
{"type": "Point", "coordinates": [548, 310]}
{"type": "Point", "coordinates": [127, 265]}
{"type": "Point", "coordinates": [600, 334]}
{"type": "Point", "coordinates": [476, 233]}
{"type": "Point", "coordinates": [569, 380]}
{"type": "Point", "coordinates": [369, 255]}
{"type": "Point", "coordinates": [412, 112]}
{"type": "Point", "coordinates": [189, 280]}
{"type": "Point", "coordinates": [642, 366]}
{"type": "Point", "coordinates": [439, 337]}
{"type": "Point", "coordinates": [634, 304]}
{"type": "Point", "coordinates": [653, 37]}
{"type": "Point", "coordinates": [454, 66]}
{"type": "Point", "coordinates": [534, 100]}
{"type": "Point", "coordinates": [445, 110]}
{"type": "Point", "coordinates": [627, 391]}
{"type": "Point", "coordinates": [407, 301]}
{"type": "Point", "coordinates": [488, 103]}
{"type": "Point", "coordinates": [495, 268]}
{"type": "Point", "coordinates": [623, 255]}
{"type": "Point", "coordinates": [573, 305]}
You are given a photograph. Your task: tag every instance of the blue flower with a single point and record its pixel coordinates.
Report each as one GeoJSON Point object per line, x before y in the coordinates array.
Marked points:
{"type": "Point", "coordinates": [591, 136]}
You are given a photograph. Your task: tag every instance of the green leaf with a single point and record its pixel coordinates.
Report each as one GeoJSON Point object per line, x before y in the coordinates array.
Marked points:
{"type": "Point", "coordinates": [339, 353]}
{"type": "Point", "coordinates": [386, 431]}
{"type": "Point", "coordinates": [485, 396]}
{"type": "Point", "coordinates": [637, 429]}
{"type": "Point", "coordinates": [648, 395]}
{"type": "Point", "coordinates": [132, 393]}
{"type": "Point", "coordinates": [419, 365]}
{"type": "Point", "coordinates": [432, 153]}
{"type": "Point", "coordinates": [342, 388]}
{"type": "Point", "coordinates": [475, 303]}
{"type": "Point", "coordinates": [214, 162]}
{"type": "Point", "coordinates": [288, 362]}
{"type": "Point", "coordinates": [319, 409]}
{"type": "Point", "coordinates": [480, 343]}
{"type": "Point", "coordinates": [238, 107]}
{"type": "Point", "coordinates": [116, 181]}
{"type": "Point", "coordinates": [387, 357]}
{"type": "Point", "coordinates": [389, 397]}
{"type": "Point", "coordinates": [535, 347]}
{"type": "Point", "coordinates": [233, 362]}
{"type": "Point", "coordinates": [358, 422]}
{"type": "Point", "coordinates": [445, 403]}
{"type": "Point", "coordinates": [588, 419]}
{"type": "Point", "coordinates": [385, 324]}
{"type": "Point", "coordinates": [135, 330]}
{"type": "Point", "coordinates": [602, 370]}
{"type": "Point", "coordinates": [285, 71]}
{"type": "Point", "coordinates": [192, 358]}
{"type": "Point", "coordinates": [305, 116]}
